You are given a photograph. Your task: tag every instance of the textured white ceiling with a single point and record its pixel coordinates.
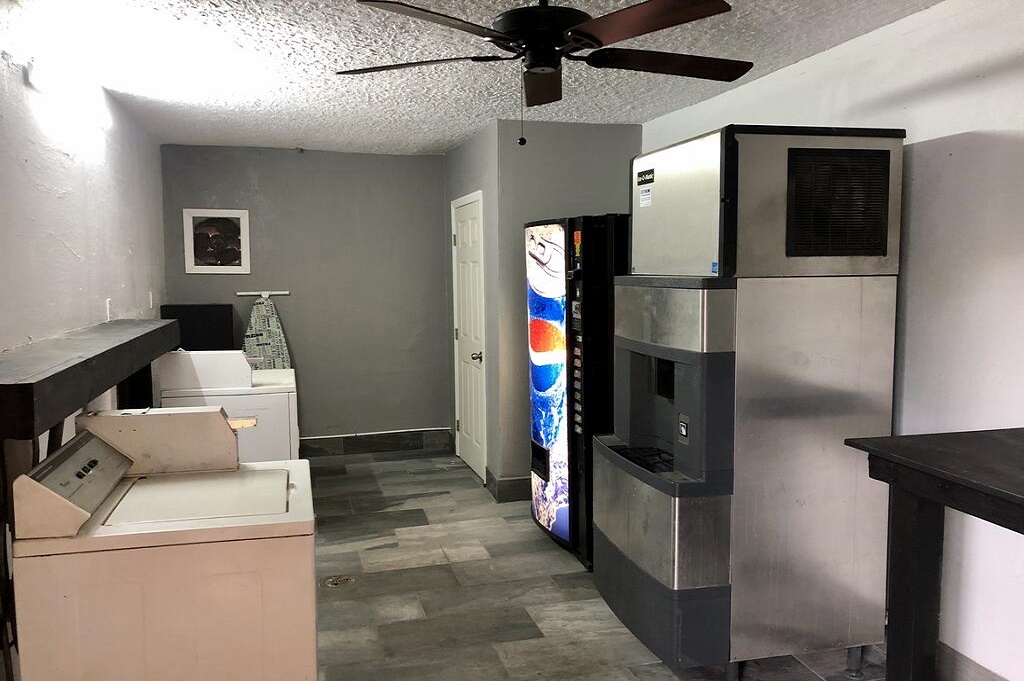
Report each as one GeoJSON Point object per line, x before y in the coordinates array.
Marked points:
{"type": "Point", "coordinates": [260, 72]}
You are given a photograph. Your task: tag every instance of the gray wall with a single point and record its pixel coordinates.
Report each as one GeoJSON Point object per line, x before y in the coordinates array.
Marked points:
{"type": "Point", "coordinates": [564, 170]}
{"type": "Point", "coordinates": [359, 241]}
{"type": "Point", "coordinates": [80, 191]}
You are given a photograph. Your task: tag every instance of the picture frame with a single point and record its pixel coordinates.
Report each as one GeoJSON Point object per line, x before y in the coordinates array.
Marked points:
{"type": "Point", "coordinates": [216, 241]}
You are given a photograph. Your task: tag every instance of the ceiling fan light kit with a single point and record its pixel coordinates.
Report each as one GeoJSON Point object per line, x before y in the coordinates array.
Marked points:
{"type": "Point", "coordinates": [543, 35]}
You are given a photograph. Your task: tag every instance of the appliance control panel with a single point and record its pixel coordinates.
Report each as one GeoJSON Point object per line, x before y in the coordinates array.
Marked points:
{"type": "Point", "coordinates": [577, 383]}
{"type": "Point", "coordinates": [576, 322]}
{"type": "Point", "coordinates": [575, 290]}
{"type": "Point", "coordinates": [59, 494]}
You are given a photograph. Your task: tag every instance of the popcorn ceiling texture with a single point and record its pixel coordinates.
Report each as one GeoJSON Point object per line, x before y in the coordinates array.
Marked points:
{"type": "Point", "coordinates": [279, 89]}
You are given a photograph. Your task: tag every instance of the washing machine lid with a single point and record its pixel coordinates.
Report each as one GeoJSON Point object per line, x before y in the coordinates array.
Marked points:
{"type": "Point", "coordinates": [264, 381]}
{"type": "Point", "coordinates": [284, 379]}
{"type": "Point", "coordinates": [202, 496]}
{"type": "Point", "coordinates": [259, 501]}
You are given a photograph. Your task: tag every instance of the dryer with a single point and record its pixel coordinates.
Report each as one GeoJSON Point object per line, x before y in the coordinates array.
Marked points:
{"type": "Point", "coordinates": [225, 379]}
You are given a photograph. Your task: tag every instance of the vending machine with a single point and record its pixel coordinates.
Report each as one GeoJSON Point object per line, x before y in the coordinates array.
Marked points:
{"type": "Point", "coordinates": [570, 266]}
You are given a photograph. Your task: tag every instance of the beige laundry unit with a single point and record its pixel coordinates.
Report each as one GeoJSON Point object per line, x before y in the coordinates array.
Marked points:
{"type": "Point", "coordinates": [224, 378]}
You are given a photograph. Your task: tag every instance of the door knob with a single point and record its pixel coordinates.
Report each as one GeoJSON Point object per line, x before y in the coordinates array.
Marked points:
{"type": "Point", "coordinates": [478, 356]}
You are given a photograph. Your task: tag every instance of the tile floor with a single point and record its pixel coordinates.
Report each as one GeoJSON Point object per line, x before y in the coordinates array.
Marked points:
{"type": "Point", "coordinates": [421, 575]}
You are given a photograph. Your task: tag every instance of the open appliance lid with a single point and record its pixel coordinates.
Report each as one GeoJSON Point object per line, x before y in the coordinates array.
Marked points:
{"type": "Point", "coordinates": [264, 500]}
{"type": "Point", "coordinates": [200, 496]}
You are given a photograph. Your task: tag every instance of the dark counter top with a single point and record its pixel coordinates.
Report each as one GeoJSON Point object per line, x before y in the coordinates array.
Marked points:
{"type": "Point", "coordinates": [990, 461]}
{"type": "Point", "coordinates": [977, 472]}
{"type": "Point", "coordinates": [43, 382]}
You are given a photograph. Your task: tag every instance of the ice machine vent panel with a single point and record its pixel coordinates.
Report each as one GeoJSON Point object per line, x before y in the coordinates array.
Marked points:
{"type": "Point", "coordinates": [838, 203]}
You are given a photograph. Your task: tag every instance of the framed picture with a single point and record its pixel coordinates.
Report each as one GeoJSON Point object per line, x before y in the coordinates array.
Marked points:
{"type": "Point", "coordinates": [216, 241]}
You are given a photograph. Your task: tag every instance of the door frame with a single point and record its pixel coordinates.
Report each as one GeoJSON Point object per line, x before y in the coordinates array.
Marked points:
{"type": "Point", "coordinates": [460, 202]}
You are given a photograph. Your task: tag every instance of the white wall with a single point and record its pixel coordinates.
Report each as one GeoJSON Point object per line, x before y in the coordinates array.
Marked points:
{"type": "Point", "coordinates": [81, 211]}
{"type": "Point", "coordinates": [953, 76]}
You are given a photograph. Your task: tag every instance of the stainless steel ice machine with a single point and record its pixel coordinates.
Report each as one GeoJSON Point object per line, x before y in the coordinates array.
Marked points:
{"type": "Point", "coordinates": [755, 334]}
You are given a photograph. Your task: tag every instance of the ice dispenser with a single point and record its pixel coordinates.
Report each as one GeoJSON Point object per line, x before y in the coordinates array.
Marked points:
{"type": "Point", "coordinates": [755, 333]}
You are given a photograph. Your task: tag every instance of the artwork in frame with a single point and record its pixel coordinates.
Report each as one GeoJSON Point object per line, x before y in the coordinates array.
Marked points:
{"type": "Point", "coordinates": [216, 241]}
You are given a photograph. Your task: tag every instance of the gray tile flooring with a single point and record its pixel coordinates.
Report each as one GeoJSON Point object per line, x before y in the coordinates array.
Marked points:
{"type": "Point", "coordinates": [441, 583]}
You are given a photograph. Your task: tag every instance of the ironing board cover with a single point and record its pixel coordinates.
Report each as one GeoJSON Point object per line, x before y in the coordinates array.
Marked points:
{"type": "Point", "coordinates": [264, 338]}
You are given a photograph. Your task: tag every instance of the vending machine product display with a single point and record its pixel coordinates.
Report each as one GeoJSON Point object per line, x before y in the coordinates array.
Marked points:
{"type": "Point", "coordinates": [570, 263]}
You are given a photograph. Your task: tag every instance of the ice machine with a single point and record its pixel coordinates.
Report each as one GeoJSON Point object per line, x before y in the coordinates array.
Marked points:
{"type": "Point", "coordinates": [755, 333]}
{"type": "Point", "coordinates": [570, 264]}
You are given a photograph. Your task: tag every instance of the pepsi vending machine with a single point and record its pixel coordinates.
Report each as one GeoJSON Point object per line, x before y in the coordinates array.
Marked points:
{"type": "Point", "coordinates": [570, 265]}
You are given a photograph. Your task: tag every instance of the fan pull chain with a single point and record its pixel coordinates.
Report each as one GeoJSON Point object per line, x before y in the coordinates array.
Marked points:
{"type": "Point", "coordinates": [522, 125]}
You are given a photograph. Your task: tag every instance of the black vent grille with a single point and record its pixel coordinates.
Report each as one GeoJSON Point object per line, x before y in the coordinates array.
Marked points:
{"type": "Point", "coordinates": [838, 202]}
{"type": "Point", "coordinates": [540, 461]}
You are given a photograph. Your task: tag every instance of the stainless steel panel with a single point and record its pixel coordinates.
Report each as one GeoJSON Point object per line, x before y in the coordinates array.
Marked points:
{"type": "Point", "coordinates": [678, 232]}
{"type": "Point", "coordinates": [681, 542]}
{"type": "Point", "coordinates": [701, 320]}
{"type": "Point", "coordinates": [612, 488]}
{"type": "Point", "coordinates": [702, 526]}
{"type": "Point", "coordinates": [814, 365]}
{"type": "Point", "coordinates": [761, 209]}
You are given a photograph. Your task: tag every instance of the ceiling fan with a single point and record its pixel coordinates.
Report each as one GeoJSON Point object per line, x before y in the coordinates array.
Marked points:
{"type": "Point", "coordinates": [543, 35]}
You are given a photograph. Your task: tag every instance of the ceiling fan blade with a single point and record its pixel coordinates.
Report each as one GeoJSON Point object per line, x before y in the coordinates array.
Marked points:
{"type": "Point", "coordinates": [646, 17]}
{"type": "Point", "coordinates": [709, 68]}
{"type": "Point", "coordinates": [542, 88]}
{"type": "Point", "coordinates": [411, 64]}
{"type": "Point", "coordinates": [438, 18]}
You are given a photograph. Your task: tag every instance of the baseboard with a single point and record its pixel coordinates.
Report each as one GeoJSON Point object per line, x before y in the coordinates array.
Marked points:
{"type": "Point", "coordinates": [375, 432]}
{"type": "Point", "coordinates": [392, 441]}
{"type": "Point", "coordinates": [508, 489]}
{"type": "Point", "coordinates": [955, 666]}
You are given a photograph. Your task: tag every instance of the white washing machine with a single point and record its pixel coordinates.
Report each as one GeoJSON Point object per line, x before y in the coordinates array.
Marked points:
{"type": "Point", "coordinates": [224, 378]}
{"type": "Point", "coordinates": [199, 576]}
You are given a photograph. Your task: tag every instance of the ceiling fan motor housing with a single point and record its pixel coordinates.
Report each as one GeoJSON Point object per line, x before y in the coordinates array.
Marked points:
{"type": "Point", "coordinates": [543, 35]}
{"type": "Point", "coordinates": [541, 32]}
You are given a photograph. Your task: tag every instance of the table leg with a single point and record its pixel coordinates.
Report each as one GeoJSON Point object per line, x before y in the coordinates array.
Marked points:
{"type": "Point", "coordinates": [914, 582]}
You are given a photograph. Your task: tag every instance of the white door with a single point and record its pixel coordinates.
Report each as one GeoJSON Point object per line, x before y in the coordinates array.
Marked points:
{"type": "Point", "coordinates": [468, 284]}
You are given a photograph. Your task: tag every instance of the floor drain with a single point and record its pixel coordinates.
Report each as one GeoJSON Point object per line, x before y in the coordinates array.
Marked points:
{"type": "Point", "coordinates": [338, 581]}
